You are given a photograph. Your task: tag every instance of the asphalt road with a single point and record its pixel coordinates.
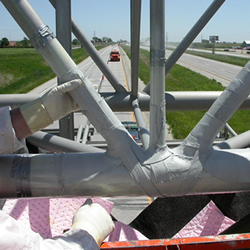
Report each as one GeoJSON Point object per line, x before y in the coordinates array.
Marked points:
{"type": "Point", "coordinates": [221, 72]}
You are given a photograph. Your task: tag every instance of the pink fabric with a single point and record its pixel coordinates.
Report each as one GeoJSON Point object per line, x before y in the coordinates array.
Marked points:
{"type": "Point", "coordinates": [208, 222]}
{"type": "Point", "coordinates": [123, 232]}
{"type": "Point", "coordinates": [48, 217]}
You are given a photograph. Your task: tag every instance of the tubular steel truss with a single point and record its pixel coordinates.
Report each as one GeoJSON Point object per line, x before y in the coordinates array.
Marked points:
{"type": "Point", "coordinates": [125, 168]}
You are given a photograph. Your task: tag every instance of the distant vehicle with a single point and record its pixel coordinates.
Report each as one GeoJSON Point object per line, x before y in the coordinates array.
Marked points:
{"type": "Point", "coordinates": [114, 56]}
{"type": "Point", "coordinates": [226, 49]}
{"type": "Point", "coordinates": [132, 129]}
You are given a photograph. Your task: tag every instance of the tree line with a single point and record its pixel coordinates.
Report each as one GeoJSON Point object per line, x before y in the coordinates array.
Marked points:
{"type": "Point", "coordinates": [24, 43]}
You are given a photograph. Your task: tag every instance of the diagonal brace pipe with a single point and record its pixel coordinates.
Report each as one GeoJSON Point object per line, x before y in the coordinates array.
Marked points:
{"type": "Point", "coordinates": [94, 54]}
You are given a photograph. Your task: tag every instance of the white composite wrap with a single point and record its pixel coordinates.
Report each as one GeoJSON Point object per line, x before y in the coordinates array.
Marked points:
{"type": "Point", "coordinates": [8, 141]}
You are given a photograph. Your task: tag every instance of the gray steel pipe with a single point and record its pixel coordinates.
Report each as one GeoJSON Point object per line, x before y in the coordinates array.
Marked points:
{"type": "Point", "coordinates": [175, 101]}
{"type": "Point", "coordinates": [135, 44]}
{"type": "Point", "coordinates": [230, 130]}
{"type": "Point", "coordinates": [85, 133]}
{"type": "Point", "coordinates": [64, 175]}
{"type": "Point", "coordinates": [96, 58]}
{"type": "Point", "coordinates": [58, 144]}
{"type": "Point", "coordinates": [143, 130]}
{"type": "Point", "coordinates": [157, 75]}
{"type": "Point", "coordinates": [188, 39]}
{"type": "Point", "coordinates": [79, 133]}
{"type": "Point", "coordinates": [239, 141]}
{"type": "Point", "coordinates": [64, 67]}
{"type": "Point", "coordinates": [63, 34]}
{"type": "Point", "coordinates": [102, 175]}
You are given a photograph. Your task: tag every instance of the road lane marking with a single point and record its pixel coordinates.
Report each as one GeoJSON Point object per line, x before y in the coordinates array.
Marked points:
{"type": "Point", "coordinates": [209, 72]}
{"type": "Point", "coordinates": [127, 87]}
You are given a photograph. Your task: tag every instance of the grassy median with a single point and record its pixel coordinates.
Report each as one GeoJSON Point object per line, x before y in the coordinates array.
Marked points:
{"type": "Point", "coordinates": [221, 58]}
{"type": "Point", "coordinates": [182, 79]}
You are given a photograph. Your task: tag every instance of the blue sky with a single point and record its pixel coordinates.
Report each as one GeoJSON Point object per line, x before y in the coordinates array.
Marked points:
{"type": "Point", "coordinates": [111, 18]}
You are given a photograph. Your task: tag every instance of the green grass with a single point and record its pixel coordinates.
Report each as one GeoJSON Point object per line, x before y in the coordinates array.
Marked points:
{"type": "Point", "coordinates": [144, 63]}
{"type": "Point", "coordinates": [79, 55]}
{"type": "Point", "coordinates": [221, 58]}
{"type": "Point", "coordinates": [182, 79]}
{"type": "Point", "coordinates": [21, 69]}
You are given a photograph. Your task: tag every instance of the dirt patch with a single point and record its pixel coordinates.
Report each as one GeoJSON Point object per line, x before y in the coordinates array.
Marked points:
{"type": "Point", "coordinates": [5, 79]}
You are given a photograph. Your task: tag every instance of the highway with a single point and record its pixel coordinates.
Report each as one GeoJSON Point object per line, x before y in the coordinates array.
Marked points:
{"type": "Point", "coordinates": [221, 72]}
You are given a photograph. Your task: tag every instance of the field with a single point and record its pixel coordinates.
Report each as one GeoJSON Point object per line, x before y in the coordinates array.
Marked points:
{"type": "Point", "coordinates": [23, 69]}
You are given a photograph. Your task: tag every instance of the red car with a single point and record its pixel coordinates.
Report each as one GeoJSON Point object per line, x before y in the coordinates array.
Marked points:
{"type": "Point", "coordinates": [114, 56]}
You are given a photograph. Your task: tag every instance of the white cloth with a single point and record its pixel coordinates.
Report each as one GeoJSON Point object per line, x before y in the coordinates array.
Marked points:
{"type": "Point", "coordinates": [15, 235]}
{"type": "Point", "coordinates": [8, 141]}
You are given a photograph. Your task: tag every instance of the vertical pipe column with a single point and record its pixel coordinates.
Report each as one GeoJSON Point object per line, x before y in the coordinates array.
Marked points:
{"type": "Point", "coordinates": [63, 34]}
{"type": "Point", "coordinates": [192, 34]}
{"type": "Point", "coordinates": [135, 6]}
{"type": "Point", "coordinates": [157, 74]}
